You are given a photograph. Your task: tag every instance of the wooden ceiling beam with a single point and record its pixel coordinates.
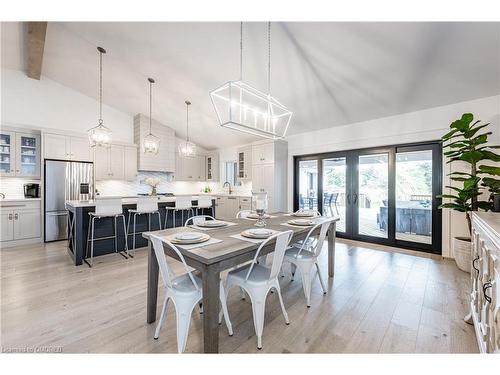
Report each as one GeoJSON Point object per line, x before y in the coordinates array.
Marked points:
{"type": "Point", "coordinates": [34, 44]}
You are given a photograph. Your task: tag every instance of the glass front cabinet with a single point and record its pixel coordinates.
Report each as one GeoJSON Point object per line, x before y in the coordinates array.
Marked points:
{"type": "Point", "coordinates": [19, 154]}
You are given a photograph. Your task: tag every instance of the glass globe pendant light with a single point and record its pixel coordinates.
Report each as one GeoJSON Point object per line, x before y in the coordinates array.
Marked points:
{"type": "Point", "coordinates": [100, 135]}
{"type": "Point", "coordinates": [151, 143]}
{"type": "Point", "coordinates": [187, 149]}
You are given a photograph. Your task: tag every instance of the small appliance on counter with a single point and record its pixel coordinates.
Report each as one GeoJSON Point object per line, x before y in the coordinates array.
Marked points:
{"type": "Point", "coordinates": [158, 194]}
{"type": "Point", "coordinates": [31, 190]}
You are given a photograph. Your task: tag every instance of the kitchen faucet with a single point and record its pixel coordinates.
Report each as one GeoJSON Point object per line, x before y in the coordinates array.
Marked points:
{"type": "Point", "coordinates": [229, 185]}
{"type": "Point", "coordinates": [2, 195]}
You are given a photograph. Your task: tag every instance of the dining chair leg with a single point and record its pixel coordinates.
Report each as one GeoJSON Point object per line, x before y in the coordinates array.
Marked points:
{"type": "Point", "coordinates": [183, 319]}
{"type": "Point", "coordinates": [278, 290]}
{"type": "Point", "coordinates": [224, 310]}
{"type": "Point", "coordinates": [320, 278]}
{"type": "Point", "coordinates": [258, 309]}
{"type": "Point", "coordinates": [305, 273]}
{"type": "Point", "coordinates": [293, 267]}
{"type": "Point", "coordinates": [162, 318]}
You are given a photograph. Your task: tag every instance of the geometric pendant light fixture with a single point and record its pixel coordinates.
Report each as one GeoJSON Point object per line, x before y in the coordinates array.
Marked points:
{"type": "Point", "coordinates": [151, 143]}
{"type": "Point", "coordinates": [100, 135]}
{"type": "Point", "coordinates": [187, 149]}
{"type": "Point", "coordinates": [241, 107]}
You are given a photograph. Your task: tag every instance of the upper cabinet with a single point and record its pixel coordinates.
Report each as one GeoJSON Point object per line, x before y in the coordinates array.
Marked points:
{"type": "Point", "coordinates": [212, 167]}
{"type": "Point", "coordinates": [19, 154]}
{"type": "Point", "coordinates": [117, 162]}
{"type": "Point", "coordinates": [64, 147]}
{"type": "Point", "coordinates": [190, 169]}
{"type": "Point", "coordinates": [263, 153]}
{"type": "Point", "coordinates": [245, 163]}
{"type": "Point", "coordinates": [164, 160]}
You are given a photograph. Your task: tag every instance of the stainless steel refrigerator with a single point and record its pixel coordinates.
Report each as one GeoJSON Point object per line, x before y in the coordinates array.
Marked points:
{"type": "Point", "coordinates": [64, 180]}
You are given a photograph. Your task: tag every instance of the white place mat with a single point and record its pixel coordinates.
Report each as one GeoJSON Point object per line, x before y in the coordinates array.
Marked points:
{"type": "Point", "coordinates": [229, 224]}
{"type": "Point", "coordinates": [253, 240]}
{"type": "Point", "coordinates": [211, 241]}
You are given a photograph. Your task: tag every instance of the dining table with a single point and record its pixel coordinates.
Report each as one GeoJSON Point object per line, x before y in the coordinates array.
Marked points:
{"type": "Point", "coordinates": [214, 258]}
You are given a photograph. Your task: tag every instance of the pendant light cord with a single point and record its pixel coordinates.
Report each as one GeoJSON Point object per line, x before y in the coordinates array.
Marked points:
{"type": "Point", "coordinates": [150, 105]}
{"type": "Point", "coordinates": [100, 87]}
{"type": "Point", "coordinates": [241, 51]}
{"type": "Point", "coordinates": [269, 57]}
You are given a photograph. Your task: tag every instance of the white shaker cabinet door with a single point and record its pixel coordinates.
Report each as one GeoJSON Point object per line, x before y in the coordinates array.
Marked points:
{"type": "Point", "coordinates": [56, 146]}
{"type": "Point", "coordinates": [26, 224]}
{"type": "Point", "coordinates": [117, 162]}
{"type": "Point", "coordinates": [130, 163]}
{"type": "Point", "coordinates": [101, 163]}
{"type": "Point", "coordinates": [6, 225]}
{"type": "Point", "coordinates": [80, 149]}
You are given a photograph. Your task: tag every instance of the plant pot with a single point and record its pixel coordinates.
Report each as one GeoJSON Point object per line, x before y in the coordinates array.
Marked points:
{"type": "Point", "coordinates": [496, 203]}
{"type": "Point", "coordinates": [462, 248]}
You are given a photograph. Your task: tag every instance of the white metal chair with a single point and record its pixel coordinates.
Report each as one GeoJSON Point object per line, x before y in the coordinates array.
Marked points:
{"type": "Point", "coordinates": [104, 208]}
{"type": "Point", "coordinates": [182, 203]}
{"type": "Point", "coordinates": [243, 214]}
{"type": "Point", "coordinates": [196, 219]}
{"type": "Point", "coordinates": [145, 206]}
{"type": "Point", "coordinates": [204, 202]}
{"type": "Point", "coordinates": [258, 280]}
{"type": "Point", "coordinates": [304, 256]}
{"type": "Point", "coordinates": [184, 291]}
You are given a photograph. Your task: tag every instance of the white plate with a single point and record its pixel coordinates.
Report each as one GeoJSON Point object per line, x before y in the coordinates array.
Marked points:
{"type": "Point", "coordinates": [304, 214]}
{"type": "Point", "coordinates": [212, 223]}
{"type": "Point", "coordinates": [255, 216]}
{"type": "Point", "coordinates": [257, 233]}
{"type": "Point", "coordinates": [301, 222]}
{"type": "Point", "coordinates": [188, 236]}
{"type": "Point", "coordinates": [192, 240]}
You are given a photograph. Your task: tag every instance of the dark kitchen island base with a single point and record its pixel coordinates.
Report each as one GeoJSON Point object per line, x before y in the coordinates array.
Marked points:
{"type": "Point", "coordinates": [104, 228]}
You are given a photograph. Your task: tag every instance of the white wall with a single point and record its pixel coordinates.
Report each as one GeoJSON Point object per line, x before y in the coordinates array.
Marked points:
{"type": "Point", "coordinates": [45, 103]}
{"type": "Point", "coordinates": [425, 125]}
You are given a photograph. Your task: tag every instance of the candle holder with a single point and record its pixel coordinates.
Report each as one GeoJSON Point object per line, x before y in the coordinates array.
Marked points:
{"type": "Point", "coordinates": [259, 201]}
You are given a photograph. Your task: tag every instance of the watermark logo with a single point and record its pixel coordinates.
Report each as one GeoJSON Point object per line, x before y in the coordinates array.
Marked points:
{"type": "Point", "coordinates": [31, 349]}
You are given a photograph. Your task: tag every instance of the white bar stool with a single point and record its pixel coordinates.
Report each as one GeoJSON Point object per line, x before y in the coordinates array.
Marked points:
{"type": "Point", "coordinates": [182, 203]}
{"type": "Point", "coordinates": [145, 206]}
{"type": "Point", "coordinates": [204, 201]}
{"type": "Point", "coordinates": [104, 208]}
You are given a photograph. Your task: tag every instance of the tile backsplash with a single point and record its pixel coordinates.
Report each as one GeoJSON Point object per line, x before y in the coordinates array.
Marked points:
{"type": "Point", "coordinates": [132, 188]}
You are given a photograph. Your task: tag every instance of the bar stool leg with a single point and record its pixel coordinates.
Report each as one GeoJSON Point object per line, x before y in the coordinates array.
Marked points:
{"type": "Point", "coordinates": [92, 245]}
{"type": "Point", "coordinates": [134, 234]}
{"type": "Point", "coordinates": [115, 239]}
{"type": "Point", "coordinates": [87, 244]}
{"type": "Point", "coordinates": [159, 220]}
{"type": "Point", "coordinates": [128, 224]}
{"type": "Point", "coordinates": [126, 239]}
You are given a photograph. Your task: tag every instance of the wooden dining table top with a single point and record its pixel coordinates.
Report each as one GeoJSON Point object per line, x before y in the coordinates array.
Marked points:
{"type": "Point", "coordinates": [231, 246]}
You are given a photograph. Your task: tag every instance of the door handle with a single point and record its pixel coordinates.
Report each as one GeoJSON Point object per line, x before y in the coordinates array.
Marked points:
{"type": "Point", "coordinates": [486, 286]}
{"type": "Point", "coordinates": [16, 216]}
{"type": "Point", "coordinates": [10, 216]}
{"type": "Point", "coordinates": [355, 198]}
{"type": "Point", "coordinates": [348, 196]}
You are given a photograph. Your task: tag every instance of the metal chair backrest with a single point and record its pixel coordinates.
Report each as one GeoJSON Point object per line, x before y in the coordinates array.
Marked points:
{"type": "Point", "coordinates": [243, 214]}
{"type": "Point", "coordinates": [196, 219]}
{"type": "Point", "coordinates": [183, 202]}
{"type": "Point", "coordinates": [317, 245]}
{"type": "Point", "coordinates": [204, 201]}
{"type": "Point", "coordinates": [282, 241]}
{"type": "Point", "coordinates": [108, 206]}
{"type": "Point", "coordinates": [165, 271]}
{"type": "Point", "coordinates": [147, 204]}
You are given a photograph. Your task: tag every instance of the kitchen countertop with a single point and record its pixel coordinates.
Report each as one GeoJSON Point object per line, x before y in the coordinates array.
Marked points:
{"type": "Point", "coordinates": [19, 199]}
{"type": "Point", "coordinates": [128, 200]}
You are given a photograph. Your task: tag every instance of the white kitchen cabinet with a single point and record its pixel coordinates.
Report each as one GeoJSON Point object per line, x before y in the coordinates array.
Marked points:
{"type": "Point", "coordinates": [80, 149]}
{"type": "Point", "coordinates": [201, 175]}
{"type": "Point", "coordinates": [165, 159]}
{"type": "Point", "coordinates": [227, 207]}
{"type": "Point", "coordinates": [190, 169]}
{"type": "Point", "coordinates": [116, 162]}
{"type": "Point", "coordinates": [212, 167]}
{"type": "Point", "coordinates": [6, 225]}
{"type": "Point", "coordinates": [245, 163]}
{"type": "Point", "coordinates": [263, 153]}
{"type": "Point", "coordinates": [245, 203]}
{"type": "Point", "coordinates": [20, 220]}
{"type": "Point", "coordinates": [65, 147]}
{"type": "Point", "coordinates": [20, 154]}
{"type": "Point", "coordinates": [130, 163]}
{"type": "Point", "coordinates": [485, 281]}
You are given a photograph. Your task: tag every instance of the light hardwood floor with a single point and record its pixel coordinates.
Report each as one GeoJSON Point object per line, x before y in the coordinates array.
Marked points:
{"type": "Point", "coordinates": [380, 301]}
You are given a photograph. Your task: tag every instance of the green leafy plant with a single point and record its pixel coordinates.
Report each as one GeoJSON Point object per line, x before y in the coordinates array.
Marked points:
{"type": "Point", "coordinates": [466, 143]}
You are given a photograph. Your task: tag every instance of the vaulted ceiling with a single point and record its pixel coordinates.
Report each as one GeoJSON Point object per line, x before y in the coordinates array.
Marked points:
{"type": "Point", "coordinates": [328, 74]}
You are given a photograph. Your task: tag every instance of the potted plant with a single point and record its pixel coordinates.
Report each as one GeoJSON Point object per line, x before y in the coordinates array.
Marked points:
{"type": "Point", "coordinates": [153, 183]}
{"type": "Point", "coordinates": [466, 143]}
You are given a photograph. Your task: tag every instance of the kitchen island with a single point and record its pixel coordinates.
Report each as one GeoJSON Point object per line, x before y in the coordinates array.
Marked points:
{"type": "Point", "coordinates": [79, 212]}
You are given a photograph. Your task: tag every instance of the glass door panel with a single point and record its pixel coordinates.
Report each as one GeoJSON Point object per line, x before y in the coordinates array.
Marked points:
{"type": "Point", "coordinates": [414, 196]}
{"type": "Point", "coordinates": [28, 155]}
{"type": "Point", "coordinates": [6, 153]}
{"type": "Point", "coordinates": [308, 184]}
{"type": "Point", "coordinates": [371, 197]}
{"type": "Point", "coordinates": [334, 190]}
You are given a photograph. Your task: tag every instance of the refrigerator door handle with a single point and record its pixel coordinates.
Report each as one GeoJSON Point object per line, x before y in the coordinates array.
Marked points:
{"type": "Point", "coordinates": [57, 213]}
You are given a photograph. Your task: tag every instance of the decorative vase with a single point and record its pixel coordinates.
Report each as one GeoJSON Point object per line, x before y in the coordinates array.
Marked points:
{"type": "Point", "coordinates": [153, 190]}
{"type": "Point", "coordinates": [260, 206]}
{"type": "Point", "coordinates": [462, 249]}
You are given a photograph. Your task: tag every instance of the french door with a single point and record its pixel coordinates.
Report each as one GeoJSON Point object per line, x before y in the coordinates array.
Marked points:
{"type": "Point", "coordinates": [383, 195]}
